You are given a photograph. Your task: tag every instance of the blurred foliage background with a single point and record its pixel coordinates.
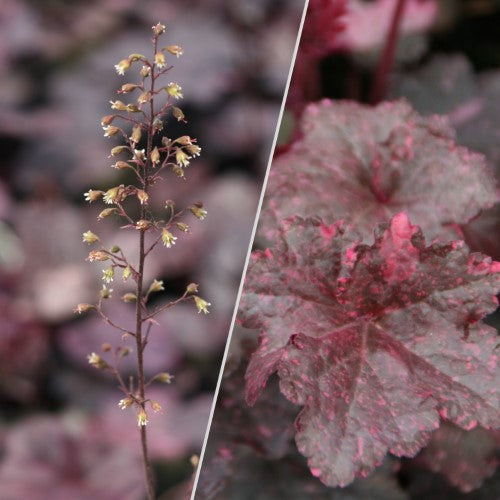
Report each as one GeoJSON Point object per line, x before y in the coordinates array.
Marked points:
{"type": "Point", "coordinates": [61, 433]}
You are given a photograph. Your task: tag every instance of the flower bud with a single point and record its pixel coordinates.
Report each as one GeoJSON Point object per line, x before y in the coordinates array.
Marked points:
{"type": "Point", "coordinates": [83, 308]}
{"type": "Point", "coordinates": [109, 130]}
{"type": "Point", "coordinates": [174, 90]}
{"type": "Point", "coordinates": [192, 288]}
{"type": "Point", "coordinates": [128, 87]}
{"type": "Point", "coordinates": [158, 124]}
{"type": "Point", "coordinates": [195, 460]}
{"type": "Point", "coordinates": [121, 165]}
{"type": "Point", "coordinates": [182, 227]}
{"type": "Point", "coordinates": [156, 286]}
{"type": "Point", "coordinates": [132, 108]}
{"type": "Point", "coordinates": [175, 50]}
{"type": "Point", "coordinates": [142, 224]}
{"type": "Point", "coordinates": [129, 297]}
{"type": "Point", "coordinates": [164, 377]}
{"type": "Point", "coordinates": [155, 406]}
{"type": "Point", "coordinates": [106, 120]}
{"type": "Point", "coordinates": [106, 347]}
{"type": "Point", "coordinates": [122, 66]}
{"type": "Point", "coordinates": [89, 237]}
{"type": "Point", "coordinates": [97, 255]}
{"type": "Point", "coordinates": [135, 57]}
{"type": "Point", "coordinates": [106, 213]}
{"type": "Point", "coordinates": [114, 249]}
{"type": "Point", "coordinates": [178, 171]}
{"type": "Point", "coordinates": [142, 196]}
{"type": "Point", "coordinates": [145, 71]}
{"type": "Point", "coordinates": [136, 134]}
{"type": "Point", "coordinates": [168, 238]}
{"type": "Point", "coordinates": [118, 150]}
{"type": "Point", "coordinates": [144, 98]}
{"type": "Point", "coordinates": [124, 352]}
{"type": "Point", "coordinates": [177, 112]}
{"type": "Point", "coordinates": [155, 156]}
{"type": "Point", "coordinates": [126, 273]}
{"type": "Point", "coordinates": [201, 304]}
{"type": "Point", "coordinates": [184, 140]}
{"type": "Point", "coordinates": [160, 59]}
{"type": "Point", "coordinates": [92, 195]}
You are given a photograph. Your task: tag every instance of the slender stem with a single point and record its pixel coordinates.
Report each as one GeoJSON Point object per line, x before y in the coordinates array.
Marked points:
{"type": "Point", "coordinates": [140, 341]}
{"type": "Point", "coordinates": [385, 64]}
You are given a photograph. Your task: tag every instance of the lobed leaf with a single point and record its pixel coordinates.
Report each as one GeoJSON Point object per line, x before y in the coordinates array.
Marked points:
{"type": "Point", "coordinates": [376, 342]}
{"type": "Point", "coordinates": [366, 164]}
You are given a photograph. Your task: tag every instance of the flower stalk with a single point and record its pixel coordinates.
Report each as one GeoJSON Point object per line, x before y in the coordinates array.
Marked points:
{"type": "Point", "coordinates": [146, 117]}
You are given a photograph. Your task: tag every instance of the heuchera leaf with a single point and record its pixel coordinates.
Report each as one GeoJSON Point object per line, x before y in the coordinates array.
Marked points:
{"type": "Point", "coordinates": [375, 342]}
{"type": "Point", "coordinates": [366, 164]}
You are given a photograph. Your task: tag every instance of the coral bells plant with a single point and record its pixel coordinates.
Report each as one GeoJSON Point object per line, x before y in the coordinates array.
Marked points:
{"type": "Point", "coordinates": [141, 121]}
{"type": "Point", "coordinates": [368, 303]}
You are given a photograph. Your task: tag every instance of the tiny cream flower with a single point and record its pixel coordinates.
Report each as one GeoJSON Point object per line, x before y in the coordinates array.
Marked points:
{"type": "Point", "coordinates": [125, 403]}
{"type": "Point", "coordinates": [198, 212]}
{"type": "Point", "coordinates": [160, 59]}
{"type": "Point", "coordinates": [145, 71]}
{"type": "Point", "coordinates": [193, 149]}
{"type": "Point", "coordinates": [110, 130]}
{"type": "Point", "coordinates": [142, 418]}
{"type": "Point", "coordinates": [118, 150]}
{"type": "Point", "coordinates": [155, 156]}
{"type": "Point", "coordinates": [92, 195]}
{"type": "Point", "coordinates": [140, 154]}
{"type": "Point", "coordinates": [118, 105]}
{"type": "Point", "coordinates": [158, 29]}
{"type": "Point", "coordinates": [114, 195]}
{"type": "Point", "coordinates": [182, 227]}
{"type": "Point", "coordinates": [175, 50]}
{"type": "Point", "coordinates": [156, 286]}
{"type": "Point", "coordinates": [122, 66]}
{"type": "Point", "coordinates": [126, 273]}
{"type": "Point", "coordinates": [106, 292]}
{"type": "Point", "coordinates": [177, 112]}
{"type": "Point", "coordinates": [174, 90]}
{"type": "Point", "coordinates": [168, 238]}
{"type": "Point", "coordinates": [181, 157]}
{"type": "Point", "coordinates": [136, 134]}
{"type": "Point", "coordinates": [164, 377]}
{"type": "Point", "coordinates": [96, 361]}
{"type": "Point", "coordinates": [142, 196]}
{"type": "Point", "coordinates": [89, 237]}
{"type": "Point", "coordinates": [108, 274]}
{"type": "Point", "coordinates": [201, 304]}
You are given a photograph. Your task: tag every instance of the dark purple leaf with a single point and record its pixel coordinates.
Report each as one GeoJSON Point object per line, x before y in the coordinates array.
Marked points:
{"type": "Point", "coordinates": [366, 164]}
{"type": "Point", "coordinates": [375, 342]}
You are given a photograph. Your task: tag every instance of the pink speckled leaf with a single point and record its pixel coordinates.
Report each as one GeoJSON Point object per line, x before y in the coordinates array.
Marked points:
{"type": "Point", "coordinates": [375, 342]}
{"type": "Point", "coordinates": [366, 164]}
